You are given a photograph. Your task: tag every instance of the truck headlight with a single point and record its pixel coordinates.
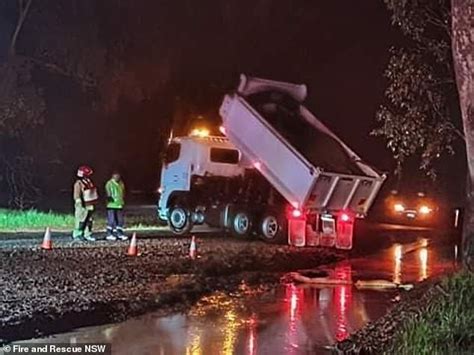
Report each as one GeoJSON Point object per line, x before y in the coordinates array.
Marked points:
{"type": "Point", "coordinates": [398, 207]}
{"type": "Point", "coordinates": [425, 210]}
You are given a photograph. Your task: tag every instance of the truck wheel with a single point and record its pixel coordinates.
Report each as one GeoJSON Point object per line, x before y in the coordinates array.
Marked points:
{"type": "Point", "coordinates": [241, 224]}
{"type": "Point", "coordinates": [180, 220]}
{"type": "Point", "coordinates": [273, 228]}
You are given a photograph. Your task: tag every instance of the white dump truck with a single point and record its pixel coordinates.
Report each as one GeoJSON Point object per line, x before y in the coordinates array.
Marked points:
{"type": "Point", "coordinates": [277, 172]}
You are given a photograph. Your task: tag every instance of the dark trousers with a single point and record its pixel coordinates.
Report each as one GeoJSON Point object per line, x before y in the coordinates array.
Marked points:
{"type": "Point", "coordinates": [115, 221]}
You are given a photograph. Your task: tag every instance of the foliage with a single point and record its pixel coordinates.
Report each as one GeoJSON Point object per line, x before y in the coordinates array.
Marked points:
{"type": "Point", "coordinates": [447, 325]}
{"type": "Point", "coordinates": [21, 104]}
{"type": "Point", "coordinates": [12, 220]}
{"type": "Point", "coordinates": [414, 117]}
{"type": "Point", "coordinates": [20, 178]}
{"type": "Point", "coordinates": [60, 50]}
{"type": "Point", "coordinates": [15, 220]}
{"type": "Point", "coordinates": [426, 22]}
{"type": "Point", "coordinates": [420, 116]}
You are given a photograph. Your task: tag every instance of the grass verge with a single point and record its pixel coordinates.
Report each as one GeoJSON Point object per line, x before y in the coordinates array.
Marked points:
{"type": "Point", "coordinates": [446, 326]}
{"type": "Point", "coordinates": [17, 220]}
{"type": "Point", "coordinates": [33, 220]}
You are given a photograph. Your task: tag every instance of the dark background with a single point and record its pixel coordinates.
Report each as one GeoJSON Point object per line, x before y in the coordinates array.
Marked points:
{"type": "Point", "coordinates": [179, 58]}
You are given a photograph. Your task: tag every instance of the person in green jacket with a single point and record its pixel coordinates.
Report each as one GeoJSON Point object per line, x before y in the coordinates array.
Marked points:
{"type": "Point", "coordinates": [115, 191]}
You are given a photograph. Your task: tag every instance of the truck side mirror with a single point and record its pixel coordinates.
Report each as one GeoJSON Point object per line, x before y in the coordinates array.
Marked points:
{"type": "Point", "coordinates": [162, 157]}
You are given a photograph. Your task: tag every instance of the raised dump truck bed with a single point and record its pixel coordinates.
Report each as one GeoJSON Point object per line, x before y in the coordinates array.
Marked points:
{"type": "Point", "coordinates": [302, 159]}
{"type": "Point", "coordinates": [280, 174]}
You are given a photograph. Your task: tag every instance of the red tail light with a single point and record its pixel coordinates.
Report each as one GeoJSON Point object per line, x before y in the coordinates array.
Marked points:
{"type": "Point", "coordinates": [345, 217]}
{"type": "Point", "coordinates": [296, 213]}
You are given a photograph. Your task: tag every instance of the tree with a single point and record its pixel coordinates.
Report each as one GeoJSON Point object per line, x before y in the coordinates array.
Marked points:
{"type": "Point", "coordinates": [430, 88]}
{"type": "Point", "coordinates": [463, 58]}
{"type": "Point", "coordinates": [21, 108]}
{"type": "Point", "coordinates": [59, 50]}
{"type": "Point", "coordinates": [417, 118]}
{"type": "Point", "coordinates": [420, 115]}
{"type": "Point", "coordinates": [21, 104]}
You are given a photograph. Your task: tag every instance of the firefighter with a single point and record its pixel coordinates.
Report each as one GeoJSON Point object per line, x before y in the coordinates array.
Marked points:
{"type": "Point", "coordinates": [115, 190]}
{"type": "Point", "coordinates": [85, 198]}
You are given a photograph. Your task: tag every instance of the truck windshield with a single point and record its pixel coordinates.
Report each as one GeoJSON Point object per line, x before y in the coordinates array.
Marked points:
{"type": "Point", "coordinates": [222, 155]}
{"type": "Point", "coordinates": [172, 152]}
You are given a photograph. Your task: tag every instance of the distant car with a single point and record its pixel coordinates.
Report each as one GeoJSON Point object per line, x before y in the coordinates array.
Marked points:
{"type": "Point", "coordinates": [411, 207]}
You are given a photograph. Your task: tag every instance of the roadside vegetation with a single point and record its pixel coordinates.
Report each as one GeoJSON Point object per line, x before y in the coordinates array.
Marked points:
{"type": "Point", "coordinates": [18, 220]}
{"type": "Point", "coordinates": [446, 326]}
{"type": "Point", "coordinates": [35, 221]}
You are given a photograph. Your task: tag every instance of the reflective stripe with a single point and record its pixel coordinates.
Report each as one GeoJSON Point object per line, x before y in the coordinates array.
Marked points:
{"type": "Point", "coordinates": [89, 193]}
{"type": "Point", "coordinates": [115, 191]}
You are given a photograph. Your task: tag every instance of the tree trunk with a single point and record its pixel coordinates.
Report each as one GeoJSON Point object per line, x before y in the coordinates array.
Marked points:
{"type": "Point", "coordinates": [463, 58]}
{"type": "Point", "coordinates": [7, 75]}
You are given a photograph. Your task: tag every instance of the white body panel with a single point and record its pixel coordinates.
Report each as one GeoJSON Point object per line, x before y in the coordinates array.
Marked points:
{"type": "Point", "coordinates": [286, 169]}
{"type": "Point", "coordinates": [298, 180]}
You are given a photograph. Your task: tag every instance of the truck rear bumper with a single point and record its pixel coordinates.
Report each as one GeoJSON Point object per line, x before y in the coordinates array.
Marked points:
{"type": "Point", "coordinates": [322, 230]}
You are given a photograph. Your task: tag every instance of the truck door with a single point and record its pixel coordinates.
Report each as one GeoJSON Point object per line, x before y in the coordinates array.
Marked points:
{"type": "Point", "coordinates": [174, 175]}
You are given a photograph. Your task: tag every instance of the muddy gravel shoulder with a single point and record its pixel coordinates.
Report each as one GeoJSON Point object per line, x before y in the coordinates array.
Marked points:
{"type": "Point", "coordinates": [45, 292]}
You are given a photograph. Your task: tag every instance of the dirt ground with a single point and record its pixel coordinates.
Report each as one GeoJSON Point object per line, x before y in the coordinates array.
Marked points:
{"type": "Point", "coordinates": [73, 285]}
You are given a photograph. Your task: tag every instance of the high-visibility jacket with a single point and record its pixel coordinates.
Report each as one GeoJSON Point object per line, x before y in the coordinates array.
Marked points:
{"type": "Point", "coordinates": [85, 192]}
{"type": "Point", "coordinates": [115, 191]}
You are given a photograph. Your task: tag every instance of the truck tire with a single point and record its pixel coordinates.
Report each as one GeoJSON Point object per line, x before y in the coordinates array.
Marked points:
{"type": "Point", "coordinates": [273, 228]}
{"type": "Point", "coordinates": [180, 220]}
{"type": "Point", "coordinates": [241, 224]}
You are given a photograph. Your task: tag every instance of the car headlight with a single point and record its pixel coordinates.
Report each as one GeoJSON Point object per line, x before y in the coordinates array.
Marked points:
{"type": "Point", "coordinates": [425, 210]}
{"type": "Point", "coordinates": [398, 207]}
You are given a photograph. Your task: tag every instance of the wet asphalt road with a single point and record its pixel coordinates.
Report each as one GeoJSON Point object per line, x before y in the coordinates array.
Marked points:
{"type": "Point", "coordinates": [369, 236]}
{"type": "Point", "coordinates": [294, 319]}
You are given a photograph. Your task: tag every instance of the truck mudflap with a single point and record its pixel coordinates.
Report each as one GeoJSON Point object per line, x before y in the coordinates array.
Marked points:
{"type": "Point", "coordinates": [297, 232]}
{"type": "Point", "coordinates": [344, 233]}
{"type": "Point", "coordinates": [322, 230]}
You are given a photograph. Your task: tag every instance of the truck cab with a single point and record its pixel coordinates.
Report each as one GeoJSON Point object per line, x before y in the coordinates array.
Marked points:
{"type": "Point", "coordinates": [187, 162]}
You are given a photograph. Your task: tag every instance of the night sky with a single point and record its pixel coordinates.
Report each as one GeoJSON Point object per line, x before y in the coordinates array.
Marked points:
{"type": "Point", "coordinates": [198, 49]}
{"type": "Point", "coordinates": [338, 48]}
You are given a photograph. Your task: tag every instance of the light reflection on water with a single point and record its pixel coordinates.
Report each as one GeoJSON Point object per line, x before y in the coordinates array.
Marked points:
{"type": "Point", "coordinates": [423, 257]}
{"type": "Point", "coordinates": [295, 319]}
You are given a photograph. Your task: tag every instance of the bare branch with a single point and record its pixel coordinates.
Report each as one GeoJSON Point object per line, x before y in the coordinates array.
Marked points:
{"type": "Point", "coordinates": [21, 19]}
{"type": "Point", "coordinates": [84, 81]}
{"type": "Point", "coordinates": [438, 21]}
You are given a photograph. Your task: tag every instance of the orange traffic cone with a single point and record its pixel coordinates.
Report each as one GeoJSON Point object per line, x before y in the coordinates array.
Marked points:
{"type": "Point", "coordinates": [193, 248]}
{"type": "Point", "coordinates": [133, 249]}
{"type": "Point", "coordinates": [47, 243]}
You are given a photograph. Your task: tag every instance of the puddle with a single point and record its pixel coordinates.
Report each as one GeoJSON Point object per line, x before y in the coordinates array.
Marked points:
{"type": "Point", "coordinates": [296, 319]}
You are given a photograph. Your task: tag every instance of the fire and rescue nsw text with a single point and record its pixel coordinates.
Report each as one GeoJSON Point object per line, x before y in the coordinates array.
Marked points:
{"type": "Point", "coordinates": [102, 349]}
